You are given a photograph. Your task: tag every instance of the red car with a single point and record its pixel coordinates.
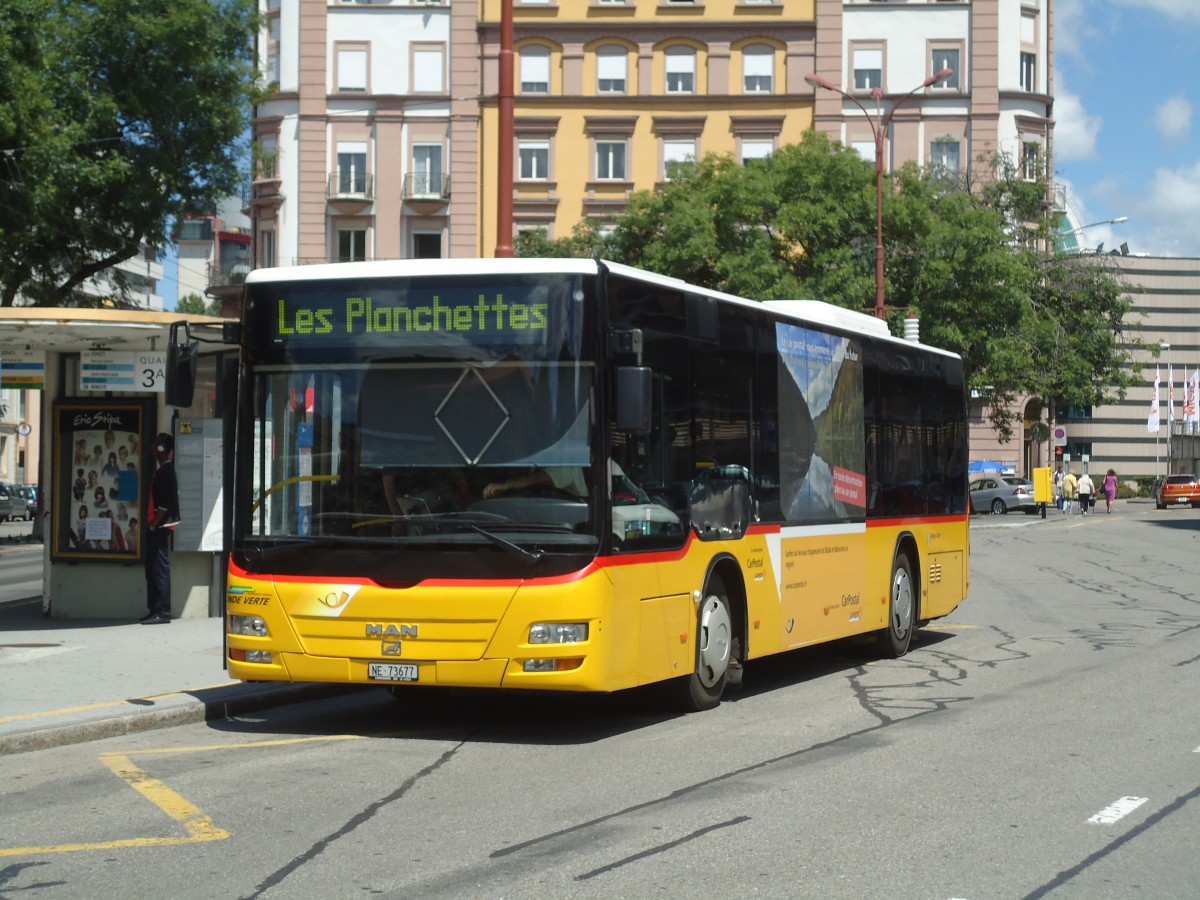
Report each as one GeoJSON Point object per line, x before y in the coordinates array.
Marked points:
{"type": "Point", "coordinates": [1176, 490]}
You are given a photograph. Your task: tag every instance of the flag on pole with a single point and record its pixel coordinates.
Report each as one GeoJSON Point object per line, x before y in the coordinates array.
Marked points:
{"type": "Point", "coordinates": [1170, 397]}
{"type": "Point", "coordinates": [1152, 422]}
{"type": "Point", "coordinates": [1191, 402]}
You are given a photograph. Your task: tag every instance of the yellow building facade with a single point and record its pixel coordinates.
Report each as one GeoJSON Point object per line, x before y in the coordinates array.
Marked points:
{"type": "Point", "coordinates": [607, 95]}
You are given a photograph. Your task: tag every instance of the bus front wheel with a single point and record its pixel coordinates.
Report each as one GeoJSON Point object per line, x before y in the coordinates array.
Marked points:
{"type": "Point", "coordinates": [714, 644]}
{"type": "Point", "coordinates": [896, 637]}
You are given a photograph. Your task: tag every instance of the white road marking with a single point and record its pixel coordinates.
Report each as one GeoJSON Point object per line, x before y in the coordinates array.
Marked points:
{"type": "Point", "coordinates": [1117, 811]}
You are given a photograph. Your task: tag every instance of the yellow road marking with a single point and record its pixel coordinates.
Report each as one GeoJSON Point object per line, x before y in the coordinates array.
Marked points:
{"type": "Point", "coordinates": [199, 827]}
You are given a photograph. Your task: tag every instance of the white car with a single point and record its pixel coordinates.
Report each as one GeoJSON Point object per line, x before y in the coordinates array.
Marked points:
{"type": "Point", "coordinates": [998, 494]}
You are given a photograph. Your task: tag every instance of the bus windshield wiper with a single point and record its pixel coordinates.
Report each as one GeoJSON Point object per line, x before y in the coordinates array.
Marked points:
{"type": "Point", "coordinates": [534, 556]}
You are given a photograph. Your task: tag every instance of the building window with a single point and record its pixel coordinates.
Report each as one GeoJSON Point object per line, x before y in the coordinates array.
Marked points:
{"type": "Point", "coordinates": [681, 70]}
{"type": "Point", "coordinates": [352, 69]}
{"type": "Point", "coordinates": [427, 169]}
{"type": "Point", "coordinates": [1031, 153]}
{"type": "Point", "coordinates": [946, 58]}
{"type": "Point", "coordinates": [352, 167]}
{"type": "Point", "coordinates": [758, 69]}
{"type": "Point", "coordinates": [610, 160]}
{"type": "Point", "coordinates": [676, 152]}
{"type": "Point", "coordinates": [428, 70]}
{"type": "Point", "coordinates": [868, 68]}
{"type": "Point", "coordinates": [427, 245]}
{"type": "Point", "coordinates": [757, 148]}
{"type": "Point", "coordinates": [1028, 71]}
{"type": "Point", "coordinates": [610, 70]}
{"type": "Point", "coordinates": [944, 156]}
{"type": "Point", "coordinates": [533, 159]}
{"type": "Point", "coordinates": [352, 244]}
{"type": "Point", "coordinates": [865, 149]}
{"type": "Point", "coordinates": [535, 70]}
{"type": "Point", "coordinates": [266, 248]}
{"type": "Point", "coordinates": [273, 50]}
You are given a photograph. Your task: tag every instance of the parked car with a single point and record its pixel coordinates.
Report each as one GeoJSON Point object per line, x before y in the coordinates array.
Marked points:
{"type": "Point", "coordinates": [12, 504]}
{"type": "Point", "coordinates": [998, 494]}
{"type": "Point", "coordinates": [1177, 490]}
{"type": "Point", "coordinates": [29, 492]}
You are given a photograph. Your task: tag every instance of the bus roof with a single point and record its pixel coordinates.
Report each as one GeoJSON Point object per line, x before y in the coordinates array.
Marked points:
{"type": "Point", "coordinates": [816, 312]}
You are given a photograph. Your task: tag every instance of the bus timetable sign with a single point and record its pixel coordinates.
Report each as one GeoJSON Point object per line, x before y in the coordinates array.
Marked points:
{"type": "Point", "coordinates": [140, 371]}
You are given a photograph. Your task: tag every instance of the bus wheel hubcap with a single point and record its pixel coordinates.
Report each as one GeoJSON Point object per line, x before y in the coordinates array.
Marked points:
{"type": "Point", "coordinates": [902, 603]}
{"type": "Point", "coordinates": [715, 633]}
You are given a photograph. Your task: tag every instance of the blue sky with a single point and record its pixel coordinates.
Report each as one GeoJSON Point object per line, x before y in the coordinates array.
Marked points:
{"type": "Point", "coordinates": [1126, 135]}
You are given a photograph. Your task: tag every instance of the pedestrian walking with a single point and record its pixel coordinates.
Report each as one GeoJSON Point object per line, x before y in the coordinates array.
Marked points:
{"type": "Point", "coordinates": [1070, 487]}
{"type": "Point", "coordinates": [1086, 491]}
{"type": "Point", "coordinates": [1110, 489]}
{"type": "Point", "coordinates": [162, 515]}
{"type": "Point", "coordinates": [1056, 485]}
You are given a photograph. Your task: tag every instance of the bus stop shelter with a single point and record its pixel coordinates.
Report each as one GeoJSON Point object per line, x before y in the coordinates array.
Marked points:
{"type": "Point", "coordinates": [89, 373]}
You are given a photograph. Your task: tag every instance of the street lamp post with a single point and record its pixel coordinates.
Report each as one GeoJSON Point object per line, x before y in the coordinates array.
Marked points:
{"type": "Point", "coordinates": [1116, 220]}
{"type": "Point", "coordinates": [879, 126]}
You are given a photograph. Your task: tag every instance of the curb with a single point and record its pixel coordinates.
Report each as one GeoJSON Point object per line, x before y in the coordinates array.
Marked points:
{"type": "Point", "coordinates": [225, 702]}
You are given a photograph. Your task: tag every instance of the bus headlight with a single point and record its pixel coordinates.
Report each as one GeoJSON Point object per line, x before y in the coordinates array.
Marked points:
{"type": "Point", "coordinates": [558, 633]}
{"type": "Point", "coordinates": [251, 626]}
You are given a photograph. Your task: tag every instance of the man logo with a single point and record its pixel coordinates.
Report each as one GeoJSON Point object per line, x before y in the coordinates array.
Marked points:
{"type": "Point", "coordinates": [391, 631]}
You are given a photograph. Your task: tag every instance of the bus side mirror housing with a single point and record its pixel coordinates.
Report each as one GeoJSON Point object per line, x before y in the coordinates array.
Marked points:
{"type": "Point", "coordinates": [633, 399]}
{"type": "Point", "coordinates": [181, 368]}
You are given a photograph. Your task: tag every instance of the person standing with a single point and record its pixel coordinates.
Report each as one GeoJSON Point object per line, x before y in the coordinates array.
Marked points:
{"type": "Point", "coordinates": [1056, 485]}
{"type": "Point", "coordinates": [1070, 485]}
{"type": "Point", "coordinates": [162, 515]}
{"type": "Point", "coordinates": [1110, 489]}
{"type": "Point", "coordinates": [1086, 490]}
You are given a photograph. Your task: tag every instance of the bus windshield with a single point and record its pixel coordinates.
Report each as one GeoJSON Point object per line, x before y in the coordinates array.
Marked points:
{"type": "Point", "coordinates": [474, 434]}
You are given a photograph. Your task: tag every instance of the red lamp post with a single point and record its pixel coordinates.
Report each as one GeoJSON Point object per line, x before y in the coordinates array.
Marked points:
{"type": "Point", "coordinates": [879, 126]}
{"type": "Point", "coordinates": [505, 130]}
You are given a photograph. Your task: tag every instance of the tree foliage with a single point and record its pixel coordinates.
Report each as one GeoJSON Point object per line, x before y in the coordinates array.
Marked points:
{"type": "Point", "coordinates": [801, 223]}
{"type": "Point", "coordinates": [195, 305]}
{"type": "Point", "coordinates": [115, 117]}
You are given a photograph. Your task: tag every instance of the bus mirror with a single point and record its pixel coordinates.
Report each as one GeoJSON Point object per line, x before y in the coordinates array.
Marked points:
{"type": "Point", "coordinates": [720, 504]}
{"type": "Point", "coordinates": [633, 399]}
{"type": "Point", "coordinates": [181, 368]}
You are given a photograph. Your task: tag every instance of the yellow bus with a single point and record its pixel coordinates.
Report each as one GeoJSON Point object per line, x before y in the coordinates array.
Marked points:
{"type": "Point", "coordinates": [572, 475]}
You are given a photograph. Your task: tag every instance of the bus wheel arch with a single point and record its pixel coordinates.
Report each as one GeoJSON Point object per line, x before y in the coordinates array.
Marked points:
{"type": "Point", "coordinates": [904, 599]}
{"type": "Point", "coordinates": [720, 637]}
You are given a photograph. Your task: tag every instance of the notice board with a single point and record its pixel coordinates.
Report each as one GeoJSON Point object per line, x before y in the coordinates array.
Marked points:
{"type": "Point", "coordinates": [199, 459]}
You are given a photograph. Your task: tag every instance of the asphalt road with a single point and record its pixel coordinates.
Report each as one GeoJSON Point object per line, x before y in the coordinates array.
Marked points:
{"type": "Point", "coordinates": [1044, 741]}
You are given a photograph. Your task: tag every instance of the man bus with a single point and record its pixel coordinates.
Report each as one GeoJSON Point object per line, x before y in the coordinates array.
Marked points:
{"type": "Point", "coordinates": [572, 475]}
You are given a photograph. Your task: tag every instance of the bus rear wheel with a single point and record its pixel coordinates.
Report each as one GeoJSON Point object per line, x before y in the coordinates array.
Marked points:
{"type": "Point", "coordinates": [714, 644]}
{"type": "Point", "coordinates": [895, 638]}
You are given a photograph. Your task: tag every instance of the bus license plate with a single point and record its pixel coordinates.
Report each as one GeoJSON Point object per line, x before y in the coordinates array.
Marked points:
{"type": "Point", "coordinates": [392, 671]}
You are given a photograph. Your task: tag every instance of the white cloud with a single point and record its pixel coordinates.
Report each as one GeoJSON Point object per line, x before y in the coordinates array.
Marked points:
{"type": "Point", "coordinates": [1182, 10]}
{"type": "Point", "coordinates": [1172, 209]}
{"type": "Point", "coordinates": [1075, 129]}
{"type": "Point", "coordinates": [1173, 118]}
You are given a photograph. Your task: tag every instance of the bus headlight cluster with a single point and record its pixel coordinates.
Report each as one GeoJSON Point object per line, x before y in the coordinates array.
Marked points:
{"type": "Point", "coordinates": [250, 626]}
{"type": "Point", "coordinates": [558, 633]}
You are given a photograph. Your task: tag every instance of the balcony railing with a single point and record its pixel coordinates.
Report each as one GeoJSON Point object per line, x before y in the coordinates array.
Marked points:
{"type": "Point", "coordinates": [350, 186]}
{"type": "Point", "coordinates": [426, 186]}
{"type": "Point", "coordinates": [230, 273]}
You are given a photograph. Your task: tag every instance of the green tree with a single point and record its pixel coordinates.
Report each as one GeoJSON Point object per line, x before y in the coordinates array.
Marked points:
{"type": "Point", "coordinates": [115, 117]}
{"type": "Point", "coordinates": [194, 305]}
{"type": "Point", "coordinates": [801, 223]}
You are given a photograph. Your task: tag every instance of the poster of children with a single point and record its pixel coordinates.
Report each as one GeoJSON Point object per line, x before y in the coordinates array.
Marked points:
{"type": "Point", "coordinates": [99, 474]}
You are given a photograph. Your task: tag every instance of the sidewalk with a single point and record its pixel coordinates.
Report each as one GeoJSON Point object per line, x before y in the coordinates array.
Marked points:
{"type": "Point", "coordinates": [64, 681]}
